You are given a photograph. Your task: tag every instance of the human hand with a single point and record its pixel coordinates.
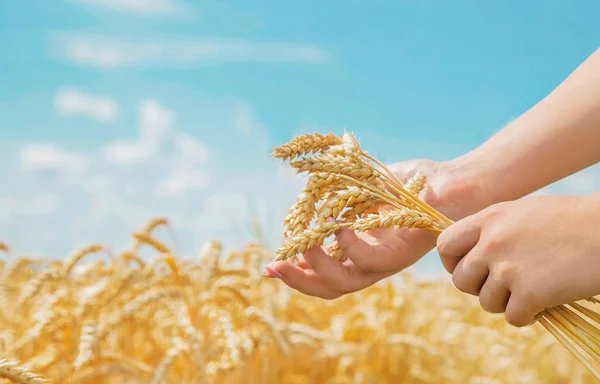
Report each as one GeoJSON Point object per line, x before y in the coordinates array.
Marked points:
{"type": "Point", "coordinates": [524, 256]}
{"type": "Point", "coordinates": [378, 254]}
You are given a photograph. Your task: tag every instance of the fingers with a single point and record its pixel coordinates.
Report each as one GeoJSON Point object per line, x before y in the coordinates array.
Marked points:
{"type": "Point", "coordinates": [335, 274]}
{"type": "Point", "coordinates": [356, 249]}
{"type": "Point", "coordinates": [470, 274]}
{"type": "Point", "coordinates": [317, 274]}
{"type": "Point", "coordinates": [521, 311]}
{"type": "Point", "coordinates": [384, 250]}
{"type": "Point", "coordinates": [302, 262]}
{"type": "Point", "coordinates": [494, 295]}
{"type": "Point", "coordinates": [302, 280]}
{"type": "Point", "coordinates": [457, 240]}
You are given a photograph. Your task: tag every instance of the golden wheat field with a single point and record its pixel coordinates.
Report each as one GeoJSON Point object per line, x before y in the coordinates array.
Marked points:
{"type": "Point", "coordinates": [215, 319]}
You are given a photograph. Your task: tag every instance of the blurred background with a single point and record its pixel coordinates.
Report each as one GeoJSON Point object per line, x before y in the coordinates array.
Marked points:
{"type": "Point", "coordinates": [116, 111]}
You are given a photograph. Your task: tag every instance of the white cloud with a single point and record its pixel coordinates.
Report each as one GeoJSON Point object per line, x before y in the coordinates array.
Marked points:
{"type": "Point", "coordinates": [40, 205]}
{"type": "Point", "coordinates": [186, 176]}
{"type": "Point", "coordinates": [155, 120]}
{"type": "Point", "coordinates": [72, 102]}
{"type": "Point", "coordinates": [39, 157]}
{"type": "Point", "coordinates": [222, 211]}
{"type": "Point", "coordinates": [190, 149]}
{"type": "Point", "coordinates": [286, 173]}
{"type": "Point", "coordinates": [140, 7]}
{"type": "Point", "coordinates": [97, 184]}
{"type": "Point", "coordinates": [107, 53]}
{"type": "Point", "coordinates": [181, 181]}
{"type": "Point", "coordinates": [109, 204]}
{"type": "Point", "coordinates": [244, 123]}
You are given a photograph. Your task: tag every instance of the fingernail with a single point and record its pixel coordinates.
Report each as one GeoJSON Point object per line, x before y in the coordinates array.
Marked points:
{"type": "Point", "coordinates": [267, 274]}
{"type": "Point", "coordinates": [331, 220]}
{"type": "Point", "coordinates": [274, 273]}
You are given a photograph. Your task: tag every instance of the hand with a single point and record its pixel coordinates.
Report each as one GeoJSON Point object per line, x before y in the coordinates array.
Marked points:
{"type": "Point", "coordinates": [376, 255]}
{"type": "Point", "coordinates": [525, 256]}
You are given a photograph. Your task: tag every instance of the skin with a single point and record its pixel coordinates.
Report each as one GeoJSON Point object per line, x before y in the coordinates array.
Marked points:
{"type": "Point", "coordinates": [525, 156]}
{"type": "Point", "coordinates": [524, 256]}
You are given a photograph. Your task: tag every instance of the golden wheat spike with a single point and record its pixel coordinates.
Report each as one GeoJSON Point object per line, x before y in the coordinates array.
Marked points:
{"type": "Point", "coordinates": [145, 238]}
{"type": "Point", "coordinates": [11, 371]}
{"type": "Point", "coordinates": [309, 143]}
{"type": "Point", "coordinates": [154, 223]}
{"type": "Point", "coordinates": [73, 259]}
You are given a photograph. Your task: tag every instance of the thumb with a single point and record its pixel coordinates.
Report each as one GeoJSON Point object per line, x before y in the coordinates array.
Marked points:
{"type": "Point", "coordinates": [457, 240]}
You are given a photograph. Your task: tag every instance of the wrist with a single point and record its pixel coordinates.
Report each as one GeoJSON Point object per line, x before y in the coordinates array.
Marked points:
{"type": "Point", "coordinates": [456, 192]}
{"type": "Point", "coordinates": [482, 180]}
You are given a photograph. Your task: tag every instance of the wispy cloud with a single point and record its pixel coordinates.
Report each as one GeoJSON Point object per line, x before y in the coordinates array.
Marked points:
{"type": "Point", "coordinates": [70, 101]}
{"type": "Point", "coordinates": [181, 181]}
{"type": "Point", "coordinates": [140, 7]}
{"type": "Point", "coordinates": [245, 124]}
{"type": "Point", "coordinates": [40, 205]}
{"type": "Point", "coordinates": [186, 175]}
{"type": "Point", "coordinates": [155, 120]}
{"type": "Point", "coordinates": [41, 157]}
{"type": "Point", "coordinates": [109, 53]}
{"type": "Point", "coordinates": [222, 211]}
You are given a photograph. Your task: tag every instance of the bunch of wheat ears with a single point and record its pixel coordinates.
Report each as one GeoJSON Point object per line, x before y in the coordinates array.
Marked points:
{"type": "Point", "coordinates": [347, 184]}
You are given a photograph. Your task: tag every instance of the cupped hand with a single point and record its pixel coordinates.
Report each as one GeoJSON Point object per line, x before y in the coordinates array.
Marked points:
{"type": "Point", "coordinates": [376, 255]}
{"type": "Point", "coordinates": [528, 255]}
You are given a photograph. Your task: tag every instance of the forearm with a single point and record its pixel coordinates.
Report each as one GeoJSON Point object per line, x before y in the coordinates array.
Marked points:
{"type": "Point", "coordinates": [556, 138]}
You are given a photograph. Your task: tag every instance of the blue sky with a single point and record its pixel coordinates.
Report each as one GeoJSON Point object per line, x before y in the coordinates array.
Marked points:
{"type": "Point", "coordinates": [114, 111]}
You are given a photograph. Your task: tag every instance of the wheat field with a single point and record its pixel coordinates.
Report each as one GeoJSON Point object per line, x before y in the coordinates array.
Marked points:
{"type": "Point", "coordinates": [214, 318]}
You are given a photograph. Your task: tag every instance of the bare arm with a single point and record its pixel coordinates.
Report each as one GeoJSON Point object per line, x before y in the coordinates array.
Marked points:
{"type": "Point", "coordinates": [559, 136]}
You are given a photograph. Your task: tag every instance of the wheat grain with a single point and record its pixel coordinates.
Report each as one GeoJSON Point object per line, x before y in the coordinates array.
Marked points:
{"type": "Point", "coordinates": [394, 218]}
{"type": "Point", "coordinates": [87, 343]}
{"type": "Point", "coordinates": [360, 208]}
{"type": "Point", "coordinates": [155, 223]}
{"type": "Point", "coordinates": [416, 183]}
{"type": "Point", "coordinates": [11, 370]}
{"type": "Point", "coordinates": [310, 143]}
{"type": "Point", "coordinates": [337, 253]}
{"type": "Point", "coordinates": [352, 167]}
{"type": "Point", "coordinates": [145, 238]}
{"type": "Point", "coordinates": [345, 198]}
{"type": "Point", "coordinates": [306, 240]}
{"type": "Point", "coordinates": [78, 255]}
{"type": "Point", "coordinates": [303, 211]}
{"type": "Point", "coordinates": [165, 364]}
{"type": "Point", "coordinates": [36, 285]}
